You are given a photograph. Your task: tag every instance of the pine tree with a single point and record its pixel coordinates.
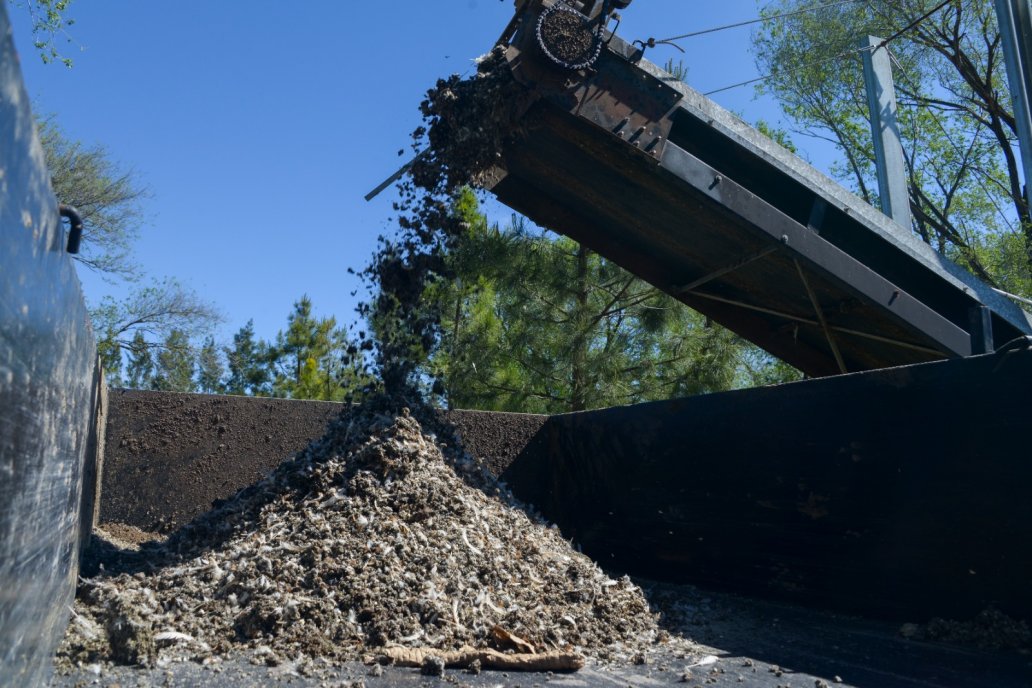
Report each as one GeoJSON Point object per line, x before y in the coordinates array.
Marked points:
{"type": "Point", "coordinates": [175, 369]}
{"type": "Point", "coordinates": [306, 341]}
{"type": "Point", "coordinates": [249, 362]}
{"type": "Point", "coordinates": [140, 369]}
{"type": "Point", "coordinates": [312, 360]}
{"type": "Point", "coordinates": [210, 370]}
{"type": "Point", "coordinates": [109, 349]}
{"type": "Point", "coordinates": [539, 323]}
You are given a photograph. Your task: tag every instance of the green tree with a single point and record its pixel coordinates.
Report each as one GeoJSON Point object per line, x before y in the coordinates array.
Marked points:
{"type": "Point", "coordinates": [311, 357]}
{"type": "Point", "coordinates": [48, 22]}
{"type": "Point", "coordinates": [108, 197]}
{"type": "Point", "coordinates": [109, 350]}
{"type": "Point", "coordinates": [175, 364]}
{"type": "Point", "coordinates": [210, 369]}
{"type": "Point", "coordinates": [140, 368]}
{"type": "Point", "coordinates": [250, 364]}
{"type": "Point", "coordinates": [153, 311]}
{"type": "Point", "coordinates": [537, 323]}
{"type": "Point", "coordinates": [306, 341]}
{"type": "Point", "coordinates": [955, 116]}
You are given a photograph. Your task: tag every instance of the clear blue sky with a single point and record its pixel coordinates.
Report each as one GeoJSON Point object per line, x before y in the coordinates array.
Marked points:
{"type": "Point", "coordinates": [258, 126]}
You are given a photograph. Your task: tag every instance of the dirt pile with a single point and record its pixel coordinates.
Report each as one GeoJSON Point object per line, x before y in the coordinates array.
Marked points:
{"type": "Point", "coordinates": [375, 536]}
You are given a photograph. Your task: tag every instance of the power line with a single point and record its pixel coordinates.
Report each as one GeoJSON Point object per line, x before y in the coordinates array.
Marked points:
{"type": "Point", "coordinates": [958, 149]}
{"type": "Point", "coordinates": [913, 24]}
{"type": "Point", "coordinates": [935, 117]}
{"type": "Point", "coordinates": [653, 42]}
{"type": "Point", "coordinates": [846, 53]}
{"type": "Point", "coordinates": [800, 68]}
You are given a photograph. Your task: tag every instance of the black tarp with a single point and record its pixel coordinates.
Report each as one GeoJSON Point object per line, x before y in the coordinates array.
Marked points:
{"type": "Point", "coordinates": [898, 493]}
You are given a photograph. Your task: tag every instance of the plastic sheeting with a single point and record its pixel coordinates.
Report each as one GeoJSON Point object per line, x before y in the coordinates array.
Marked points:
{"type": "Point", "coordinates": [47, 378]}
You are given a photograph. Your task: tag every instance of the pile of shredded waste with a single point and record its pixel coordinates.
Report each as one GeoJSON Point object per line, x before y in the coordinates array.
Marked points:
{"type": "Point", "coordinates": [383, 539]}
{"type": "Point", "coordinates": [377, 536]}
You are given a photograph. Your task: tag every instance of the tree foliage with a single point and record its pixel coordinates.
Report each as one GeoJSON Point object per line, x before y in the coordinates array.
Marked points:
{"type": "Point", "coordinates": [210, 369]}
{"type": "Point", "coordinates": [107, 196]}
{"type": "Point", "coordinates": [955, 116]}
{"type": "Point", "coordinates": [49, 21]}
{"type": "Point", "coordinates": [249, 363]}
{"type": "Point", "coordinates": [538, 323]}
{"type": "Point", "coordinates": [175, 364]}
{"type": "Point", "coordinates": [311, 358]}
{"type": "Point", "coordinates": [130, 328]}
{"type": "Point", "coordinates": [140, 367]}
{"type": "Point", "coordinates": [149, 315]}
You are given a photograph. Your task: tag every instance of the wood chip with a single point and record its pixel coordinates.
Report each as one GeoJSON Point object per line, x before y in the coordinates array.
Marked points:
{"type": "Point", "coordinates": [489, 659]}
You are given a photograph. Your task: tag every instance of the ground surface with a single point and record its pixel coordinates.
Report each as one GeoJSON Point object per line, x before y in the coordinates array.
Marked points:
{"type": "Point", "coordinates": [755, 643]}
{"type": "Point", "coordinates": [210, 446]}
{"type": "Point", "coordinates": [157, 441]}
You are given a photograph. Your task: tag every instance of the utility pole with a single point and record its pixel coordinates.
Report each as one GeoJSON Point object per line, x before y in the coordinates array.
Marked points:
{"type": "Point", "coordinates": [1016, 33]}
{"type": "Point", "coordinates": [893, 189]}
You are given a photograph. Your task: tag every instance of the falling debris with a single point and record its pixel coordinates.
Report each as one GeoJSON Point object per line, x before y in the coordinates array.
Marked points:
{"type": "Point", "coordinates": [379, 536]}
{"type": "Point", "coordinates": [465, 124]}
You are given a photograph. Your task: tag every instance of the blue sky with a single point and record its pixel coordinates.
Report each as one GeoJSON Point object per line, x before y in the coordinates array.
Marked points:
{"type": "Point", "coordinates": [258, 126]}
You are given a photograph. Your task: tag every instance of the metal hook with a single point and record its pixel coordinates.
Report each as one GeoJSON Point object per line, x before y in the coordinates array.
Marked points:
{"type": "Point", "coordinates": [75, 226]}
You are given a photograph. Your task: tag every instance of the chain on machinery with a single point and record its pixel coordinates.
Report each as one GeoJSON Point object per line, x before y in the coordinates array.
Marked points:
{"type": "Point", "coordinates": [597, 39]}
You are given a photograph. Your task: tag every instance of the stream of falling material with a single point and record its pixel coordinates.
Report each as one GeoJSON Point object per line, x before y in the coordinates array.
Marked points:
{"type": "Point", "coordinates": [466, 122]}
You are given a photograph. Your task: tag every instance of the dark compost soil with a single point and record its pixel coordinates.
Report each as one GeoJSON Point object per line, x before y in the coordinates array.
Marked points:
{"type": "Point", "coordinates": [169, 457]}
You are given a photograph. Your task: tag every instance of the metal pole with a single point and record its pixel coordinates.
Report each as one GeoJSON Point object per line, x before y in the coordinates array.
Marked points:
{"type": "Point", "coordinates": [1016, 33]}
{"type": "Point", "coordinates": [893, 188]}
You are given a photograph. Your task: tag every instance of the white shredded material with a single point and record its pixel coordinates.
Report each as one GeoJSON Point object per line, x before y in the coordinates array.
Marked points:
{"type": "Point", "coordinates": [371, 537]}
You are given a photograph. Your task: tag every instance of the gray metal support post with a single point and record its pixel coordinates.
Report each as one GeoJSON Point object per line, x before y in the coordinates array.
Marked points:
{"type": "Point", "coordinates": [981, 327]}
{"type": "Point", "coordinates": [1016, 33]}
{"type": "Point", "coordinates": [888, 151]}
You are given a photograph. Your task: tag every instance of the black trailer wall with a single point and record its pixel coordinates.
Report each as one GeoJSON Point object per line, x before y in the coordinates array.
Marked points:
{"type": "Point", "coordinates": [901, 493]}
{"type": "Point", "coordinates": [49, 392]}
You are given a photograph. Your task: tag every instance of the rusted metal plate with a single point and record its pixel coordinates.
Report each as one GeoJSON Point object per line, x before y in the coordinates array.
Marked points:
{"type": "Point", "coordinates": [613, 94]}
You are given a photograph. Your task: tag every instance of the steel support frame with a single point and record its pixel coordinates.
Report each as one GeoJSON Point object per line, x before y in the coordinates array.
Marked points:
{"type": "Point", "coordinates": [815, 253]}
{"type": "Point", "coordinates": [821, 319]}
{"type": "Point", "coordinates": [727, 269]}
{"type": "Point", "coordinates": [1015, 20]}
{"type": "Point", "coordinates": [807, 321]}
{"type": "Point", "coordinates": [893, 187]}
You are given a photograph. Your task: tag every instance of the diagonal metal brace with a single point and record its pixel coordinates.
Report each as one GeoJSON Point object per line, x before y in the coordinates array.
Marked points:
{"type": "Point", "coordinates": [821, 319]}
{"type": "Point", "coordinates": [816, 253]}
{"type": "Point", "coordinates": [741, 263]}
{"type": "Point", "coordinates": [396, 176]}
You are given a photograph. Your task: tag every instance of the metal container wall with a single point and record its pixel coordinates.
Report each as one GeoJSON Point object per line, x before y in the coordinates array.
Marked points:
{"type": "Point", "coordinates": [898, 493]}
{"type": "Point", "coordinates": [48, 394]}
